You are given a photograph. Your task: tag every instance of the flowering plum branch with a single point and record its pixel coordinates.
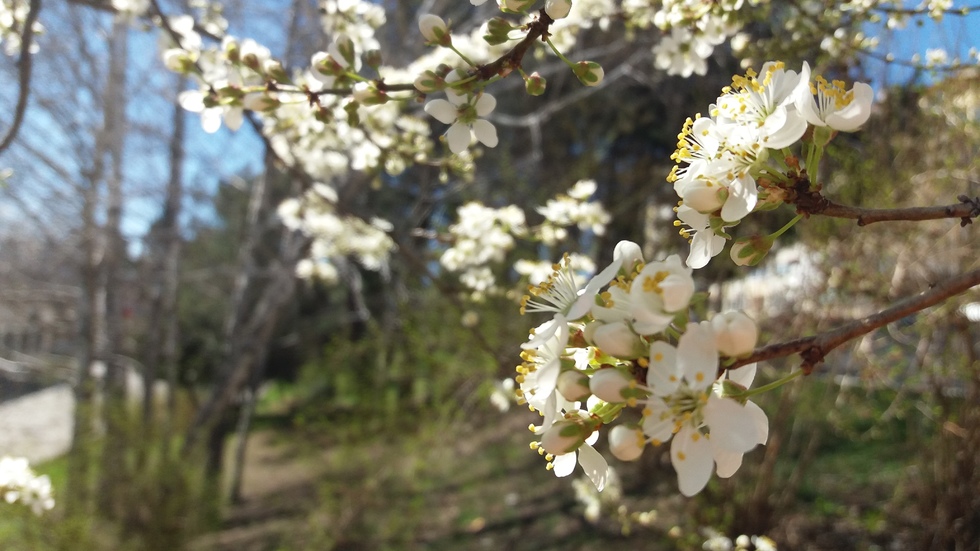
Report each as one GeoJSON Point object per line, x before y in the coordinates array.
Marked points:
{"type": "Point", "coordinates": [813, 349]}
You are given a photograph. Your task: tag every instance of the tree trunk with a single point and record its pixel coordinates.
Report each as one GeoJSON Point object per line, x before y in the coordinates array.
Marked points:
{"type": "Point", "coordinates": [114, 414]}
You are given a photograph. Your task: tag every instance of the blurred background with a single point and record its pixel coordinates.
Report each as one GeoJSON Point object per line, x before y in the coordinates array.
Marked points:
{"type": "Point", "coordinates": [183, 390]}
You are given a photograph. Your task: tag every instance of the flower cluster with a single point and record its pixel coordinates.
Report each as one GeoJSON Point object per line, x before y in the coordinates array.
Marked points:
{"type": "Point", "coordinates": [625, 339]}
{"type": "Point", "coordinates": [737, 160]}
{"type": "Point", "coordinates": [19, 484]}
{"type": "Point", "coordinates": [334, 234]}
{"type": "Point", "coordinates": [572, 209]}
{"type": "Point", "coordinates": [484, 235]}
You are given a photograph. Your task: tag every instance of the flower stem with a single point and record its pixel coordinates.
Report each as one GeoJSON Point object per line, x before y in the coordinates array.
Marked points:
{"type": "Point", "coordinates": [559, 54]}
{"type": "Point", "coordinates": [462, 56]}
{"type": "Point", "coordinates": [788, 225]}
{"type": "Point", "coordinates": [813, 155]}
{"type": "Point", "coordinates": [608, 412]}
{"type": "Point", "coordinates": [773, 385]}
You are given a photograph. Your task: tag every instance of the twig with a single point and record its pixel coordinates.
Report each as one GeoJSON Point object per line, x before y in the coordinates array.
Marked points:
{"type": "Point", "coordinates": [25, 65]}
{"type": "Point", "coordinates": [809, 202]}
{"type": "Point", "coordinates": [813, 349]}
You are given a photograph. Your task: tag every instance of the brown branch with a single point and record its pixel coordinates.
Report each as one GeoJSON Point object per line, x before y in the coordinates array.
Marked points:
{"type": "Point", "coordinates": [25, 64]}
{"type": "Point", "coordinates": [511, 60]}
{"type": "Point", "coordinates": [811, 201]}
{"type": "Point", "coordinates": [814, 349]}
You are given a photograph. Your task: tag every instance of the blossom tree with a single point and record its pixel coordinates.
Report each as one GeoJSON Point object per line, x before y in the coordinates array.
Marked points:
{"type": "Point", "coordinates": [636, 334]}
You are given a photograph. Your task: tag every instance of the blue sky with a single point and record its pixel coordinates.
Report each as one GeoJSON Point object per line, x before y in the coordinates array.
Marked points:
{"type": "Point", "coordinates": [955, 34]}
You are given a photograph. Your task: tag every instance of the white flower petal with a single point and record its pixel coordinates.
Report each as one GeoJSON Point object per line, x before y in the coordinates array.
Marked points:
{"type": "Point", "coordinates": [743, 375]}
{"type": "Point", "coordinates": [485, 104]}
{"type": "Point", "coordinates": [659, 425]}
{"type": "Point", "coordinates": [594, 465]}
{"type": "Point", "coordinates": [459, 137]}
{"type": "Point", "coordinates": [732, 426]}
{"type": "Point", "coordinates": [663, 375]}
{"type": "Point", "coordinates": [791, 130]}
{"type": "Point", "coordinates": [441, 110]}
{"type": "Point", "coordinates": [211, 119]}
{"type": "Point", "coordinates": [234, 118]}
{"type": "Point", "coordinates": [704, 246]}
{"type": "Point", "coordinates": [485, 132]}
{"type": "Point", "coordinates": [726, 462]}
{"type": "Point", "coordinates": [191, 100]}
{"type": "Point", "coordinates": [557, 325]}
{"type": "Point", "coordinates": [743, 195]}
{"type": "Point", "coordinates": [697, 356]}
{"type": "Point", "coordinates": [564, 465]}
{"type": "Point", "coordinates": [760, 420]}
{"type": "Point", "coordinates": [856, 113]}
{"type": "Point", "coordinates": [690, 454]}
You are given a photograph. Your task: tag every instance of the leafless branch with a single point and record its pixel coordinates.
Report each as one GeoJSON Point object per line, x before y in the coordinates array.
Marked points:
{"type": "Point", "coordinates": [815, 348]}
{"type": "Point", "coordinates": [811, 201]}
{"type": "Point", "coordinates": [25, 64]}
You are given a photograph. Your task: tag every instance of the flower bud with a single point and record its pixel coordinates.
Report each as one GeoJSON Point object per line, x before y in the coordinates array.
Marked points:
{"type": "Point", "coordinates": [232, 52]}
{"type": "Point", "coordinates": [367, 93]}
{"type": "Point", "coordinates": [735, 333]}
{"type": "Point", "coordinates": [535, 84]}
{"type": "Point", "coordinates": [259, 101]}
{"type": "Point", "coordinates": [705, 196]}
{"type": "Point", "coordinates": [631, 254]}
{"type": "Point", "coordinates": [574, 385]}
{"type": "Point", "coordinates": [429, 82]}
{"type": "Point", "coordinates": [616, 339]}
{"type": "Point", "coordinates": [353, 117]}
{"type": "Point", "coordinates": [275, 71]}
{"type": "Point", "coordinates": [589, 73]}
{"type": "Point", "coordinates": [626, 444]}
{"type": "Point", "coordinates": [434, 30]}
{"type": "Point", "coordinates": [558, 9]}
{"type": "Point", "coordinates": [518, 6]}
{"type": "Point", "coordinates": [324, 64]}
{"type": "Point", "coordinates": [610, 385]}
{"type": "Point", "coordinates": [563, 437]}
{"type": "Point", "coordinates": [346, 48]}
{"type": "Point", "coordinates": [749, 251]}
{"type": "Point", "coordinates": [373, 59]}
{"type": "Point", "coordinates": [498, 31]}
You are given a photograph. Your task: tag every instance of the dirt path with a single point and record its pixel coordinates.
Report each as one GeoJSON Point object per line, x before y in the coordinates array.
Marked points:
{"type": "Point", "coordinates": [278, 486]}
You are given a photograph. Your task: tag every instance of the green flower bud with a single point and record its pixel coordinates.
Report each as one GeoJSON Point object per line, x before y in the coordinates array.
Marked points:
{"type": "Point", "coordinates": [574, 385]}
{"type": "Point", "coordinates": [515, 6]}
{"type": "Point", "coordinates": [610, 385]}
{"type": "Point", "coordinates": [564, 437]}
{"type": "Point", "coordinates": [367, 93]}
{"type": "Point", "coordinates": [275, 72]}
{"type": "Point", "coordinates": [434, 30]}
{"type": "Point", "coordinates": [429, 82]}
{"type": "Point", "coordinates": [589, 73]}
{"type": "Point", "coordinates": [346, 48]}
{"type": "Point", "coordinates": [373, 59]}
{"type": "Point", "coordinates": [353, 118]}
{"type": "Point", "coordinates": [749, 251]}
{"type": "Point", "coordinates": [498, 31]}
{"type": "Point", "coordinates": [626, 444]}
{"type": "Point", "coordinates": [535, 84]}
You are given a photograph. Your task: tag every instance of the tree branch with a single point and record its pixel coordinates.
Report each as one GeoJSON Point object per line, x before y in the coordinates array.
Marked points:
{"type": "Point", "coordinates": [813, 349]}
{"type": "Point", "coordinates": [811, 201]}
{"type": "Point", "coordinates": [25, 65]}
